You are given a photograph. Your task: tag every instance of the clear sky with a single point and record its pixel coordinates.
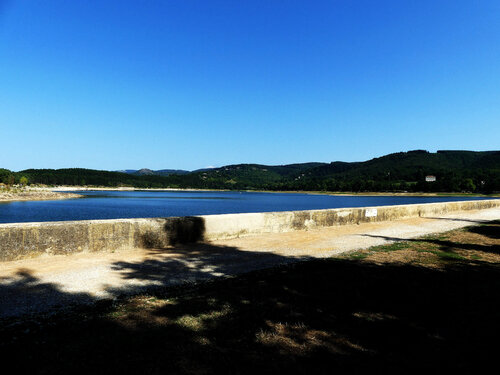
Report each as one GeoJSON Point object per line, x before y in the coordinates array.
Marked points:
{"type": "Point", "coordinates": [190, 84]}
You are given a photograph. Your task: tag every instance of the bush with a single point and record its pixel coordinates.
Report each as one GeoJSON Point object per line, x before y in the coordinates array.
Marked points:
{"type": "Point", "coordinates": [23, 181]}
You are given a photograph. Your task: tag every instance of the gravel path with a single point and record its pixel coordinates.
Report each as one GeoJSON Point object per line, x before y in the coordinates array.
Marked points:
{"type": "Point", "coordinates": [54, 282]}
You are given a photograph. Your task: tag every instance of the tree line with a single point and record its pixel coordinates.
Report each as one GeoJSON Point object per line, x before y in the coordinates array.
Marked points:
{"type": "Point", "coordinates": [455, 171]}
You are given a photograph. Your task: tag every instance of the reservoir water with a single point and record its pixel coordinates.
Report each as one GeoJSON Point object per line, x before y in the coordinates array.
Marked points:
{"type": "Point", "coordinates": [142, 204]}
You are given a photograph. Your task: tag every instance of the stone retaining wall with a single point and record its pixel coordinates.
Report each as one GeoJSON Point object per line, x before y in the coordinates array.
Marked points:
{"type": "Point", "coordinates": [26, 240]}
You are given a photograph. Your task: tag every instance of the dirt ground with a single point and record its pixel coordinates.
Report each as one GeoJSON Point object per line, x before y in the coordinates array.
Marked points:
{"type": "Point", "coordinates": [54, 282]}
{"type": "Point", "coordinates": [429, 304]}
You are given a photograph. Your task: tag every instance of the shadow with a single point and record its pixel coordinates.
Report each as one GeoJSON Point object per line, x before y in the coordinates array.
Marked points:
{"type": "Point", "coordinates": [315, 316]}
{"type": "Point", "coordinates": [185, 230]}
{"type": "Point", "coordinates": [188, 229]}
{"type": "Point", "coordinates": [21, 295]}
{"type": "Point", "coordinates": [191, 263]}
{"type": "Point", "coordinates": [492, 230]}
{"type": "Point", "coordinates": [457, 219]}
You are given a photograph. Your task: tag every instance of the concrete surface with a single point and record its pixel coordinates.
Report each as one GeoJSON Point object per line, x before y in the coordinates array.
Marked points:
{"type": "Point", "coordinates": [52, 282]}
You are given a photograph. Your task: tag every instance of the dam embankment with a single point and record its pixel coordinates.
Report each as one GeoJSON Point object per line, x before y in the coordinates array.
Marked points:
{"type": "Point", "coordinates": [28, 240]}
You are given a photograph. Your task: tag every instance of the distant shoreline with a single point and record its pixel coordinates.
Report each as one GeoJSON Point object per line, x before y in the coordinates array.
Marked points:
{"type": "Point", "coordinates": [34, 195]}
{"type": "Point", "coordinates": [389, 194]}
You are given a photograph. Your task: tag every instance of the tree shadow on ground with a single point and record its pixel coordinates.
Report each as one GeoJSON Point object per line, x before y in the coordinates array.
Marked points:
{"type": "Point", "coordinates": [192, 263]}
{"type": "Point", "coordinates": [21, 294]}
{"type": "Point", "coordinates": [491, 230]}
{"type": "Point", "coordinates": [457, 219]}
{"type": "Point", "coordinates": [319, 316]}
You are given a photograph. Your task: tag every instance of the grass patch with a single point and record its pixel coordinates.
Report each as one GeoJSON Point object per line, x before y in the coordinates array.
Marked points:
{"type": "Point", "coordinates": [391, 247]}
{"type": "Point", "coordinates": [357, 255]}
{"type": "Point", "coordinates": [447, 255]}
{"type": "Point", "coordinates": [460, 245]}
{"type": "Point", "coordinates": [363, 254]}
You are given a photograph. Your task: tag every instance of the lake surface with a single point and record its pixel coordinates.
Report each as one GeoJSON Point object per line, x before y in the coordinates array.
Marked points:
{"type": "Point", "coordinates": [138, 204]}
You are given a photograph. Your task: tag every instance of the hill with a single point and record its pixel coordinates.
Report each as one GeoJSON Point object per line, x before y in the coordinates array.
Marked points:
{"type": "Point", "coordinates": [149, 172]}
{"type": "Point", "coordinates": [455, 171]}
{"type": "Point", "coordinates": [80, 176]}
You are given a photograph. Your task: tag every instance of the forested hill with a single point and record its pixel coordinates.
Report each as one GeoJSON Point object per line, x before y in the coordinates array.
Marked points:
{"type": "Point", "coordinates": [455, 171]}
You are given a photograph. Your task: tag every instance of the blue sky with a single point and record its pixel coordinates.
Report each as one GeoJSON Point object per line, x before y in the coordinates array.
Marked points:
{"type": "Point", "coordinates": [189, 84]}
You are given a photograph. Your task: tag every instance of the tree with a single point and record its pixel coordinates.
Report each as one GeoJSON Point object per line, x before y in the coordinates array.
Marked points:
{"type": "Point", "coordinates": [468, 185]}
{"type": "Point", "coordinates": [4, 175]}
{"type": "Point", "coordinates": [23, 181]}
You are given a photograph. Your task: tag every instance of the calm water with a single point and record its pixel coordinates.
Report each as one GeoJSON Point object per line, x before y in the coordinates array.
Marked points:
{"type": "Point", "coordinates": [134, 204]}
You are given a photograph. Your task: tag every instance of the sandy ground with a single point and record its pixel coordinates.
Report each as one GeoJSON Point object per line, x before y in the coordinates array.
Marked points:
{"type": "Point", "coordinates": [34, 195]}
{"type": "Point", "coordinates": [53, 282]}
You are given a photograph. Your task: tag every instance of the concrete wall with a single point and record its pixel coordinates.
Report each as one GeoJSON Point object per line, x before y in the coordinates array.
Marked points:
{"type": "Point", "coordinates": [24, 240]}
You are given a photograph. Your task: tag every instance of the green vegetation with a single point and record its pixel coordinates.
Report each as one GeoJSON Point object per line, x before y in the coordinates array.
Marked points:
{"type": "Point", "coordinates": [455, 171]}
{"type": "Point", "coordinates": [79, 176]}
{"type": "Point", "coordinates": [7, 177]}
{"type": "Point", "coordinates": [23, 181]}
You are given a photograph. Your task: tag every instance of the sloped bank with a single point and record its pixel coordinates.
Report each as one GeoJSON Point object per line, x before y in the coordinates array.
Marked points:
{"type": "Point", "coordinates": [34, 195]}
{"type": "Point", "coordinates": [26, 240]}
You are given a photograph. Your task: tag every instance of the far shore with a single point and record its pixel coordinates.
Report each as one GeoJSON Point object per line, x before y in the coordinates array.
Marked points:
{"type": "Point", "coordinates": [402, 194]}
{"type": "Point", "coordinates": [29, 194]}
